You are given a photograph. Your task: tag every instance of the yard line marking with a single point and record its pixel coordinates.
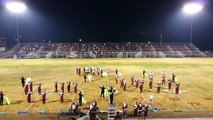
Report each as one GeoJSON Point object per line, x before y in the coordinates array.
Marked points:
{"type": "Point", "coordinates": [185, 102]}
{"type": "Point", "coordinates": [35, 100]}
{"type": "Point", "coordinates": [143, 97]}
{"type": "Point", "coordinates": [199, 88]}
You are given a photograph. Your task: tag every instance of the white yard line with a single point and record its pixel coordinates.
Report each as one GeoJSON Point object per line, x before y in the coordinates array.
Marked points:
{"type": "Point", "coordinates": [199, 88]}
{"type": "Point", "coordinates": [185, 102]}
{"type": "Point", "coordinates": [143, 97]}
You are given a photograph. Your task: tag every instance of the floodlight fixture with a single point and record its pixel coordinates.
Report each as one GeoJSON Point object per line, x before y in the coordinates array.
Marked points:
{"type": "Point", "coordinates": [16, 7]}
{"type": "Point", "coordinates": [192, 8]}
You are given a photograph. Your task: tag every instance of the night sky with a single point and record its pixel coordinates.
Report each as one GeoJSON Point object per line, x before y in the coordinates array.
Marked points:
{"type": "Point", "coordinates": [108, 21]}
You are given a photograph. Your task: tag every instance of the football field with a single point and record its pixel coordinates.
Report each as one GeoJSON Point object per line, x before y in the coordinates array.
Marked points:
{"type": "Point", "coordinates": [194, 74]}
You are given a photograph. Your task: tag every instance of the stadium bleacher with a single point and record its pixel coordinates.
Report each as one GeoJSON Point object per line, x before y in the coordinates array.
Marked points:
{"type": "Point", "coordinates": [103, 50]}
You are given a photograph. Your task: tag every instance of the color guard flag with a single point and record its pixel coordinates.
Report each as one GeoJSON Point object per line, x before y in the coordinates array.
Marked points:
{"type": "Point", "coordinates": [84, 101]}
{"type": "Point", "coordinates": [104, 74]}
{"type": "Point", "coordinates": [89, 77]}
{"type": "Point", "coordinates": [106, 92]}
{"type": "Point", "coordinates": [7, 100]}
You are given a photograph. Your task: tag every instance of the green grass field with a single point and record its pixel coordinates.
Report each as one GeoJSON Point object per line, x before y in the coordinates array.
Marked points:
{"type": "Point", "coordinates": [194, 74]}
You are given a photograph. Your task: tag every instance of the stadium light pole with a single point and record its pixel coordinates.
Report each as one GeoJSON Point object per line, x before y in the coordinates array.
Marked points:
{"type": "Point", "coordinates": [17, 8]}
{"type": "Point", "coordinates": [191, 9]}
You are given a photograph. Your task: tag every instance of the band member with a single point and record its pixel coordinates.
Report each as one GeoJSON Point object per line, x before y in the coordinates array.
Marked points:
{"type": "Point", "coordinates": [125, 107]}
{"type": "Point", "coordinates": [56, 86]}
{"type": "Point", "coordinates": [62, 86]}
{"type": "Point", "coordinates": [124, 85]}
{"type": "Point", "coordinates": [76, 70]}
{"type": "Point", "coordinates": [22, 81]}
{"type": "Point", "coordinates": [116, 79]}
{"type": "Point", "coordinates": [111, 95]}
{"type": "Point", "coordinates": [99, 70]}
{"type": "Point", "coordinates": [121, 82]}
{"type": "Point", "coordinates": [86, 70]}
{"type": "Point", "coordinates": [102, 91]}
{"type": "Point", "coordinates": [132, 79]}
{"type": "Point", "coordinates": [163, 78]}
{"type": "Point", "coordinates": [26, 89]}
{"type": "Point", "coordinates": [61, 96]}
{"type": "Point", "coordinates": [158, 87]}
{"type": "Point", "coordinates": [151, 74]}
{"type": "Point", "coordinates": [173, 77]}
{"type": "Point", "coordinates": [169, 84]}
{"type": "Point", "coordinates": [1, 98]}
{"type": "Point", "coordinates": [116, 71]}
{"type": "Point", "coordinates": [141, 86]}
{"type": "Point", "coordinates": [39, 88]}
{"type": "Point", "coordinates": [85, 77]}
{"type": "Point", "coordinates": [135, 109]}
{"type": "Point", "coordinates": [31, 86]}
{"type": "Point", "coordinates": [43, 93]}
{"type": "Point", "coordinates": [136, 82]}
{"type": "Point", "coordinates": [79, 71]}
{"type": "Point", "coordinates": [75, 87]}
{"type": "Point", "coordinates": [68, 86]}
{"type": "Point", "coordinates": [92, 70]}
{"type": "Point", "coordinates": [80, 98]}
{"type": "Point", "coordinates": [28, 96]}
{"type": "Point", "coordinates": [177, 88]}
{"type": "Point", "coordinates": [150, 82]}
{"type": "Point", "coordinates": [144, 72]}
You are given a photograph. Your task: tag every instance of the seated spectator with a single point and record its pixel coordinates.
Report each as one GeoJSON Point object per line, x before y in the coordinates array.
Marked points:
{"type": "Point", "coordinates": [93, 110]}
{"type": "Point", "coordinates": [74, 108]}
{"type": "Point", "coordinates": [118, 116]}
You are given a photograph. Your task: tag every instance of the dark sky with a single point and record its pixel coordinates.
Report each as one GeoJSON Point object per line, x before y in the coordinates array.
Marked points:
{"type": "Point", "coordinates": [108, 21]}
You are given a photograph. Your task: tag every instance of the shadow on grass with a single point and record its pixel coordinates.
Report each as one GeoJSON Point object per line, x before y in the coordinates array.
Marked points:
{"type": "Point", "coordinates": [17, 102]}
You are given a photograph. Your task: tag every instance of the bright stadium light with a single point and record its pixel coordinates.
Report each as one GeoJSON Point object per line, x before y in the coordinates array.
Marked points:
{"type": "Point", "coordinates": [17, 8]}
{"type": "Point", "coordinates": [191, 9]}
